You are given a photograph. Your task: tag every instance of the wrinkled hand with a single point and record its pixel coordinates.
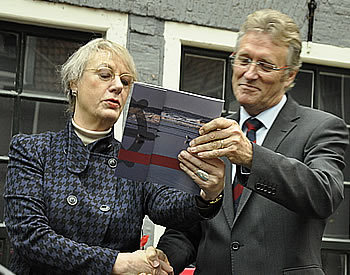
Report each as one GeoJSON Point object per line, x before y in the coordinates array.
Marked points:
{"type": "Point", "coordinates": [146, 262]}
{"type": "Point", "coordinates": [214, 167]}
{"type": "Point", "coordinates": [158, 260]}
{"type": "Point", "coordinates": [223, 137]}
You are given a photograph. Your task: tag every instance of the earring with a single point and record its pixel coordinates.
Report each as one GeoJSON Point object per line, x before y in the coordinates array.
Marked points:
{"type": "Point", "coordinates": [74, 92]}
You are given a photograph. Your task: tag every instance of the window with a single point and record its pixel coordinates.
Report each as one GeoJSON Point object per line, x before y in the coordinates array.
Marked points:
{"type": "Point", "coordinates": [31, 100]}
{"type": "Point", "coordinates": [209, 73]}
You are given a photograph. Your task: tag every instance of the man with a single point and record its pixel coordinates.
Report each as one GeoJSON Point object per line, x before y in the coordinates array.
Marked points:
{"type": "Point", "coordinates": [290, 179]}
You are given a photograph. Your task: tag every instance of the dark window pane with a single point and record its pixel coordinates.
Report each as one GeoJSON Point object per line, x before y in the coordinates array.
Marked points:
{"type": "Point", "coordinates": [346, 171]}
{"type": "Point", "coordinates": [8, 60]}
{"type": "Point", "coordinates": [330, 99]}
{"type": "Point", "coordinates": [204, 75]}
{"type": "Point", "coordinates": [37, 117]}
{"type": "Point", "coordinates": [42, 60]}
{"type": "Point", "coordinates": [338, 223]}
{"type": "Point", "coordinates": [334, 263]}
{"type": "Point", "coordinates": [6, 107]}
{"type": "Point", "coordinates": [303, 90]}
{"type": "Point", "coordinates": [347, 100]}
{"type": "Point", "coordinates": [3, 172]}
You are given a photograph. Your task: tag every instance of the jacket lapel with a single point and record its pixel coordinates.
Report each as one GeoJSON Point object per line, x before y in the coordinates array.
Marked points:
{"type": "Point", "coordinates": [284, 123]}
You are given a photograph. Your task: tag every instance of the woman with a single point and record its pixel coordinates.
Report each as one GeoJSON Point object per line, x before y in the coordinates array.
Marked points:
{"type": "Point", "coordinates": [66, 211]}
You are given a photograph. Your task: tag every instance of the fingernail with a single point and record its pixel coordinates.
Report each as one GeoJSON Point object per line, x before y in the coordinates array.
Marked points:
{"type": "Point", "coordinates": [155, 263]}
{"type": "Point", "coordinates": [191, 143]}
{"type": "Point", "coordinates": [191, 149]}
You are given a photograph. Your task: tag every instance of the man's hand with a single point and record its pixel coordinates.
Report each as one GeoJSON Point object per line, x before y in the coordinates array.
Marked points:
{"type": "Point", "coordinates": [158, 260]}
{"type": "Point", "coordinates": [223, 137]}
{"type": "Point", "coordinates": [146, 262]}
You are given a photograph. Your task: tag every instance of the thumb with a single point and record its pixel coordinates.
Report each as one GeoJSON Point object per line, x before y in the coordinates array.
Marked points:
{"type": "Point", "coordinates": [152, 257]}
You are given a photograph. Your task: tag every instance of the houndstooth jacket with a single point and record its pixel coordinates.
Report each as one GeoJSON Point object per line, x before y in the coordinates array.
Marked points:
{"type": "Point", "coordinates": [67, 213]}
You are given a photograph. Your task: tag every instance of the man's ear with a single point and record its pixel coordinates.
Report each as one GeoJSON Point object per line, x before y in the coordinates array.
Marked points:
{"type": "Point", "coordinates": [290, 77]}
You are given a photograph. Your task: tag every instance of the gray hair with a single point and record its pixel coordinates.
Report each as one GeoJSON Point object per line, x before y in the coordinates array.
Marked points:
{"type": "Point", "coordinates": [282, 29]}
{"type": "Point", "coordinates": [73, 69]}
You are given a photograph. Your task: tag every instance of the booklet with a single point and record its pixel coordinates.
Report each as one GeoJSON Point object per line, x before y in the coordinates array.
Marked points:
{"type": "Point", "coordinates": [160, 123]}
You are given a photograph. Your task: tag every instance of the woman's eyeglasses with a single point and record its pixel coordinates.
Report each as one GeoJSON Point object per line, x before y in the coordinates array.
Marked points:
{"type": "Point", "coordinates": [263, 67]}
{"type": "Point", "coordinates": [106, 74]}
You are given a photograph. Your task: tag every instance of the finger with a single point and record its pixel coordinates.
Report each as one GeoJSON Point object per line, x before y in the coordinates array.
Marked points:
{"type": "Point", "coordinates": [214, 130]}
{"type": "Point", "coordinates": [162, 256]}
{"type": "Point", "coordinates": [217, 123]}
{"type": "Point", "coordinates": [194, 163]}
{"type": "Point", "coordinates": [165, 267]}
{"type": "Point", "coordinates": [208, 165]}
{"type": "Point", "coordinates": [152, 256]}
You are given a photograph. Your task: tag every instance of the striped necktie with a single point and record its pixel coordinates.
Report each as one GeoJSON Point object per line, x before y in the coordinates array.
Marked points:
{"type": "Point", "coordinates": [252, 125]}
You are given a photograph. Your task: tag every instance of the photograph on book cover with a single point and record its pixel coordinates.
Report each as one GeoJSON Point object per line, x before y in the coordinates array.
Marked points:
{"type": "Point", "coordinates": [160, 123]}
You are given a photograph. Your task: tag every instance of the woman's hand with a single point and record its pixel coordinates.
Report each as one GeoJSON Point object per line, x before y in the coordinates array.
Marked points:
{"type": "Point", "coordinates": [209, 173]}
{"type": "Point", "coordinates": [142, 262]}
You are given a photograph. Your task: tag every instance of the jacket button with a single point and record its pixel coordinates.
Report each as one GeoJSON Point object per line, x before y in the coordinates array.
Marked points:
{"type": "Point", "coordinates": [112, 163]}
{"type": "Point", "coordinates": [72, 200]}
{"type": "Point", "coordinates": [235, 246]}
{"type": "Point", "coordinates": [104, 208]}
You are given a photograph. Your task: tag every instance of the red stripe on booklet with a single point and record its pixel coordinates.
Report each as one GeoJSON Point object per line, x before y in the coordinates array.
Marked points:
{"type": "Point", "coordinates": [149, 159]}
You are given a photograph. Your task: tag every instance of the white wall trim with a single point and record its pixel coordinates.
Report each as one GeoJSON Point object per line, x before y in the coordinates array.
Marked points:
{"type": "Point", "coordinates": [64, 16]}
{"type": "Point", "coordinates": [327, 55]}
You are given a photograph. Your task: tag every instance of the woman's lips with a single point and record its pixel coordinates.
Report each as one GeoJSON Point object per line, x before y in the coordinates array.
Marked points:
{"type": "Point", "coordinates": [113, 103]}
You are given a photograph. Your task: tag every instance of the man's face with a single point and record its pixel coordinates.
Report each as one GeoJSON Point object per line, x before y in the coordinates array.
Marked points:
{"type": "Point", "coordinates": [255, 89]}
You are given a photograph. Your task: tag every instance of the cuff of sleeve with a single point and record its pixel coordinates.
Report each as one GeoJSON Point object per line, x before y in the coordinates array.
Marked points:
{"type": "Point", "coordinates": [208, 209]}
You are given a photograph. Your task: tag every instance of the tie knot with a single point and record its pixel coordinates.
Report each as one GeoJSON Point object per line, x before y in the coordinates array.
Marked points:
{"type": "Point", "coordinates": [253, 124]}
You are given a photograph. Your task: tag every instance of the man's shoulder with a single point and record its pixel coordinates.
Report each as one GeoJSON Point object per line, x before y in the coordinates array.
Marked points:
{"type": "Point", "coordinates": [316, 114]}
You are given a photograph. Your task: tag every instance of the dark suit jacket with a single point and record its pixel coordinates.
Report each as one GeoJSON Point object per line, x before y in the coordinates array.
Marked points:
{"type": "Point", "coordinates": [68, 213]}
{"type": "Point", "coordinates": [295, 184]}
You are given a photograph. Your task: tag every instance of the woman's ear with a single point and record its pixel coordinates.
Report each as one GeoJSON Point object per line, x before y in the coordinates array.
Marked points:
{"type": "Point", "coordinates": [73, 85]}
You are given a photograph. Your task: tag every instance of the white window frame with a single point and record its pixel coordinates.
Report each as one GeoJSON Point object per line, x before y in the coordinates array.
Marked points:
{"type": "Point", "coordinates": [63, 16]}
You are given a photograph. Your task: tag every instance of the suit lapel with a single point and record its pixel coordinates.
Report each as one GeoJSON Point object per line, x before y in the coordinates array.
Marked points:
{"type": "Point", "coordinates": [284, 123]}
{"type": "Point", "coordinates": [227, 205]}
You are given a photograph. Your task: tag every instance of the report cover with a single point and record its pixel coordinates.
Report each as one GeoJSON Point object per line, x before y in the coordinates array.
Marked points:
{"type": "Point", "coordinates": [160, 123]}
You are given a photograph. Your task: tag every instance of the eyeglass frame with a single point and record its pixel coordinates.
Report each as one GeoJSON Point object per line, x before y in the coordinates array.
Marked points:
{"type": "Point", "coordinates": [274, 68]}
{"type": "Point", "coordinates": [113, 75]}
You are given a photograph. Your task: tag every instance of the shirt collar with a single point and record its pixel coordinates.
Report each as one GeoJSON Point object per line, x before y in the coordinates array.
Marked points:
{"type": "Point", "coordinates": [266, 117]}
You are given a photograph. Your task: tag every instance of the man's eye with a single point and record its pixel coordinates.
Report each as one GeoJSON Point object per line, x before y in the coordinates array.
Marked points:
{"type": "Point", "coordinates": [267, 66]}
{"type": "Point", "coordinates": [105, 74]}
{"type": "Point", "coordinates": [244, 61]}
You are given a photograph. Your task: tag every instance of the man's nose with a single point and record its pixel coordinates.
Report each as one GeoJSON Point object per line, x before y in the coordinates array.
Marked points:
{"type": "Point", "coordinates": [252, 71]}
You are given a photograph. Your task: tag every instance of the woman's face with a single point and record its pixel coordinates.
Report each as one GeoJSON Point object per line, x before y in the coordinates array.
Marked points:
{"type": "Point", "coordinates": [101, 93]}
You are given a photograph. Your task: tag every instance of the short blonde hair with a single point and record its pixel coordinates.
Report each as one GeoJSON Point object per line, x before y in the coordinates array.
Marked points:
{"type": "Point", "coordinates": [282, 29]}
{"type": "Point", "coordinates": [73, 69]}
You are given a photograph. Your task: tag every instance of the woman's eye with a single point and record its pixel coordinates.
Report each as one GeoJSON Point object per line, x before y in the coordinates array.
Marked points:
{"type": "Point", "coordinates": [126, 80]}
{"type": "Point", "coordinates": [105, 74]}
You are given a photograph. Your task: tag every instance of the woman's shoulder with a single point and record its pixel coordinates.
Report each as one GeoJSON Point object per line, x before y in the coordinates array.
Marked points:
{"type": "Point", "coordinates": [34, 142]}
